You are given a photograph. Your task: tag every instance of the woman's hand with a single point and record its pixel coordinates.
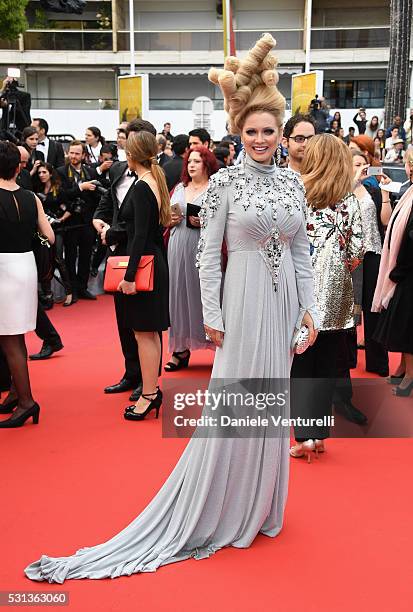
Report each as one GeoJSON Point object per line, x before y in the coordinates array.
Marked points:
{"type": "Point", "coordinates": [384, 179]}
{"type": "Point", "coordinates": [194, 221]}
{"type": "Point", "coordinates": [35, 166]}
{"type": "Point", "coordinates": [175, 219]}
{"type": "Point", "coordinates": [360, 174]}
{"type": "Point", "coordinates": [127, 288]}
{"type": "Point", "coordinates": [308, 321]}
{"type": "Point", "coordinates": [216, 336]}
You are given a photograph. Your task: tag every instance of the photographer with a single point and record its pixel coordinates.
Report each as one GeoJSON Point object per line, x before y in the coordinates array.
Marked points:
{"type": "Point", "coordinates": [15, 105]}
{"type": "Point", "coordinates": [80, 196]}
{"type": "Point", "coordinates": [47, 185]}
{"type": "Point", "coordinates": [320, 113]}
{"type": "Point", "coordinates": [100, 171]}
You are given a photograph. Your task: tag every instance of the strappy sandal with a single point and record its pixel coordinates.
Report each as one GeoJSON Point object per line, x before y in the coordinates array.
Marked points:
{"type": "Point", "coordinates": [182, 361]}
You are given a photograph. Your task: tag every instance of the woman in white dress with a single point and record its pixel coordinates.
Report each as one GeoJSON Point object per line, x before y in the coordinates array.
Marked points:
{"type": "Point", "coordinates": [186, 332]}
{"type": "Point", "coordinates": [21, 214]}
{"type": "Point", "coordinates": [224, 491]}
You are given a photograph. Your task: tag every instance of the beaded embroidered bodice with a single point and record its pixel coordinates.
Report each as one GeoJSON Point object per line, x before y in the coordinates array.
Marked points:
{"type": "Point", "coordinates": [265, 206]}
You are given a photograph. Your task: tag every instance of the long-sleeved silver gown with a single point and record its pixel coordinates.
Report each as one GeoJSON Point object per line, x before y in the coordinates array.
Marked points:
{"type": "Point", "coordinates": [223, 492]}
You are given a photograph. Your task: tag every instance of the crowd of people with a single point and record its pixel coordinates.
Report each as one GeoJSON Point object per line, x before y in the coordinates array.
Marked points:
{"type": "Point", "coordinates": [389, 142]}
{"type": "Point", "coordinates": [83, 192]}
{"type": "Point", "coordinates": [247, 245]}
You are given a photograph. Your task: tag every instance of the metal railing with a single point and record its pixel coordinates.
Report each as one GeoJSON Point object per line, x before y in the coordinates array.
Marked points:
{"type": "Point", "coordinates": [197, 40]}
{"type": "Point", "coordinates": [350, 38]}
{"type": "Point", "coordinates": [203, 40]}
{"type": "Point", "coordinates": [75, 103]}
{"type": "Point", "coordinates": [68, 40]}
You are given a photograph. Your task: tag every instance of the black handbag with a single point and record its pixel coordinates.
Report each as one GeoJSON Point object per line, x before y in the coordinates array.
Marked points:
{"type": "Point", "coordinates": [45, 255]}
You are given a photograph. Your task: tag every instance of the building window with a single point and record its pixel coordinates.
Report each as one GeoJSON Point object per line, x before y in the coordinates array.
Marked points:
{"type": "Point", "coordinates": [354, 94]}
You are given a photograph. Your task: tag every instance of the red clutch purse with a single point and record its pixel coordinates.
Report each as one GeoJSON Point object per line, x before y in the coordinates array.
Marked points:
{"type": "Point", "coordinates": [116, 268]}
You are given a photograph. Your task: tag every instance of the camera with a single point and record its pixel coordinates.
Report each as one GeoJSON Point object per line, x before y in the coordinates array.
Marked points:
{"type": "Point", "coordinates": [99, 187]}
{"type": "Point", "coordinates": [114, 151]}
{"type": "Point", "coordinates": [13, 75]}
{"type": "Point", "coordinates": [15, 104]}
{"type": "Point", "coordinates": [315, 104]}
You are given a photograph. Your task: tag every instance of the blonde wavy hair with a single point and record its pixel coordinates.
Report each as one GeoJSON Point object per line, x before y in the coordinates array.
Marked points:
{"type": "Point", "coordinates": [327, 171]}
{"type": "Point", "coordinates": [250, 85]}
{"type": "Point", "coordinates": [142, 147]}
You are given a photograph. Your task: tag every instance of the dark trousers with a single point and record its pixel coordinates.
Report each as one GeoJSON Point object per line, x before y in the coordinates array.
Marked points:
{"type": "Point", "coordinates": [99, 254]}
{"type": "Point", "coordinates": [313, 378]}
{"type": "Point", "coordinates": [377, 359]}
{"type": "Point", "coordinates": [346, 359]}
{"type": "Point", "coordinates": [78, 243]}
{"type": "Point", "coordinates": [45, 330]}
{"type": "Point", "coordinates": [61, 266]}
{"type": "Point", "coordinates": [129, 345]}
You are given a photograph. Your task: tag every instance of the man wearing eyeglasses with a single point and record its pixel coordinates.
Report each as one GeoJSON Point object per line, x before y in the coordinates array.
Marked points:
{"type": "Point", "coordinates": [297, 132]}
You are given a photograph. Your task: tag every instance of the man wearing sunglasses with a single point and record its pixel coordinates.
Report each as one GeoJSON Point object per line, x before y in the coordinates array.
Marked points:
{"type": "Point", "coordinates": [297, 132]}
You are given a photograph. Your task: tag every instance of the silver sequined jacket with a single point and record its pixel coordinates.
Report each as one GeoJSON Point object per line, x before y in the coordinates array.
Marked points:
{"type": "Point", "coordinates": [336, 239]}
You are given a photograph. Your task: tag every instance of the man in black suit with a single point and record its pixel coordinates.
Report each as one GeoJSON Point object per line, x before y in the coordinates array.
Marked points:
{"type": "Point", "coordinates": [51, 149]}
{"type": "Point", "coordinates": [173, 168]}
{"type": "Point", "coordinates": [80, 196]}
{"type": "Point", "coordinates": [24, 179]}
{"type": "Point", "coordinates": [114, 235]}
{"type": "Point", "coordinates": [162, 157]}
{"type": "Point", "coordinates": [100, 171]}
{"type": "Point", "coordinates": [166, 132]}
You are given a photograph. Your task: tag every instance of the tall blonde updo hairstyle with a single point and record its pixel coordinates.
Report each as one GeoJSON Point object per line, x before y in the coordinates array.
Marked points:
{"type": "Point", "coordinates": [142, 147]}
{"type": "Point", "coordinates": [250, 85]}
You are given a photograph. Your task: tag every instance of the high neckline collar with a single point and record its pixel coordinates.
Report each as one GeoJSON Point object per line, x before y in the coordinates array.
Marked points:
{"type": "Point", "coordinates": [260, 168]}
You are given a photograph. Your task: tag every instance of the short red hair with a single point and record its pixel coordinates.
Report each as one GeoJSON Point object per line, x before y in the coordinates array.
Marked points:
{"type": "Point", "coordinates": [365, 143]}
{"type": "Point", "coordinates": [208, 159]}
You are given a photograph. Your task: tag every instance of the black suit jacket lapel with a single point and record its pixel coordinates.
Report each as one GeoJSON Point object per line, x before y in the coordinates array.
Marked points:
{"type": "Point", "coordinates": [121, 172]}
{"type": "Point", "coordinates": [51, 153]}
{"type": "Point", "coordinates": [128, 194]}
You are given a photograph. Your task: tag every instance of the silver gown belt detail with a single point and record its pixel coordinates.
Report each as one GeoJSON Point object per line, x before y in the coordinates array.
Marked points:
{"type": "Point", "coordinates": [272, 249]}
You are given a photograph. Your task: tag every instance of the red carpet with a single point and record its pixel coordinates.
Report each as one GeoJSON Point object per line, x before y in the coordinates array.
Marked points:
{"type": "Point", "coordinates": [84, 473]}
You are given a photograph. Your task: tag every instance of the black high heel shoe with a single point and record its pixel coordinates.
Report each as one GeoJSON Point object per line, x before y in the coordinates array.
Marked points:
{"type": "Point", "coordinates": [19, 420]}
{"type": "Point", "coordinates": [131, 408]}
{"type": "Point", "coordinates": [155, 404]}
{"type": "Point", "coordinates": [403, 392]}
{"type": "Point", "coordinates": [182, 361]}
{"type": "Point", "coordinates": [396, 379]}
{"type": "Point", "coordinates": [9, 407]}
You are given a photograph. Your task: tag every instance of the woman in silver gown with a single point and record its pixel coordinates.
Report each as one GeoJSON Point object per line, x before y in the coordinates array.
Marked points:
{"type": "Point", "coordinates": [224, 491]}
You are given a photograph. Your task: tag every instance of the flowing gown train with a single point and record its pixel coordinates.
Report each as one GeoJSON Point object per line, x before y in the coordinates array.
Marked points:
{"type": "Point", "coordinates": [224, 491]}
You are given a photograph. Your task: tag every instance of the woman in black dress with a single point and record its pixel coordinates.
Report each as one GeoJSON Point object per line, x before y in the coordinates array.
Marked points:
{"type": "Point", "coordinates": [30, 140]}
{"type": "Point", "coordinates": [146, 312]}
{"type": "Point", "coordinates": [21, 215]}
{"type": "Point", "coordinates": [394, 293]}
{"type": "Point", "coordinates": [47, 186]}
